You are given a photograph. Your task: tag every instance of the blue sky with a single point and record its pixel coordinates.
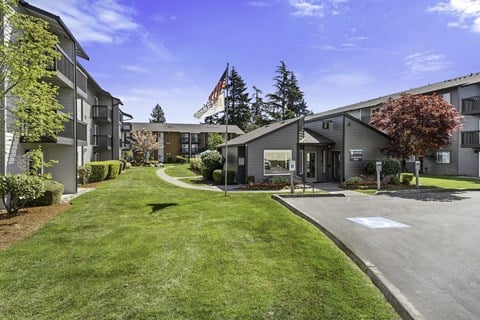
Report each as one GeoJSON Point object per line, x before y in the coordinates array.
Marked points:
{"type": "Point", "coordinates": [172, 52]}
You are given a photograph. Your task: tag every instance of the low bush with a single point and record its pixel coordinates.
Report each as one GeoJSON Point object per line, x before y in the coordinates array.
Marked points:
{"type": "Point", "coordinates": [52, 195]}
{"type": "Point", "coordinates": [218, 176]}
{"type": "Point", "coordinates": [17, 190]}
{"type": "Point", "coordinates": [407, 178]}
{"type": "Point", "coordinates": [195, 164]}
{"type": "Point", "coordinates": [84, 174]}
{"type": "Point", "coordinates": [390, 167]}
{"type": "Point", "coordinates": [99, 171]}
{"type": "Point", "coordinates": [180, 159]}
{"type": "Point", "coordinates": [128, 165]}
{"type": "Point", "coordinates": [250, 179]}
{"type": "Point", "coordinates": [124, 164]}
{"type": "Point", "coordinates": [113, 169]}
{"type": "Point", "coordinates": [211, 161]}
{"type": "Point", "coordinates": [395, 180]}
{"type": "Point", "coordinates": [279, 179]}
{"type": "Point", "coordinates": [362, 183]}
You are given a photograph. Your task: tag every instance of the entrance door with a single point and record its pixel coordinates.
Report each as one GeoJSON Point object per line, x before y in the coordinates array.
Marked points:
{"type": "Point", "coordinates": [336, 164]}
{"type": "Point", "coordinates": [311, 166]}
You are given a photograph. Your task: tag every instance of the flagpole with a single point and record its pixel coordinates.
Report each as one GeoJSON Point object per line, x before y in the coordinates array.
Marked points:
{"type": "Point", "coordinates": [226, 133]}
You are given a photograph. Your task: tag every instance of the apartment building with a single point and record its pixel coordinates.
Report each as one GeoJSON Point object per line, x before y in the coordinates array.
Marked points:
{"type": "Point", "coordinates": [93, 129]}
{"type": "Point", "coordinates": [180, 139]}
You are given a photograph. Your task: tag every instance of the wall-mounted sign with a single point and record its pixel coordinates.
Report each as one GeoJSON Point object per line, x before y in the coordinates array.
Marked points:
{"type": "Point", "coordinates": [356, 154]}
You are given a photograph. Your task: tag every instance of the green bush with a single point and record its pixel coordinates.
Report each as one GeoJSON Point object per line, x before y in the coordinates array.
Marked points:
{"type": "Point", "coordinates": [195, 164]}
{"type": "Point", "coordinates": [128, 165]}
{"type": "Point", "coordinates": [123, 165]}
{"type": "Point", "coordinates": [390, 167]}
{"type": "Point", "coordinates": [395, 180]}
{"type": "Point", "coordinates": [250, 179]}
{"type": "Point", "coordinates": [211, 161]}
{"type": "Point", "coordinates": [17, 190]}
{"type": "Point", "coordinates": [352, 183]}
{"type": "Point", "coordinates": [52, 195]}
{"type": "Point", "coordinates": [407, 178]}
{"type": "Point", "coordinates": [279, 179]}
{"type": "Point", "coordinates": [99, 171]}
{"type": "Point", "coordinates": [84, 174]}
{"type": "Point", "coordinates": [113, 169]}
{"type": "Point", "coordinates": [180, 159]}
{"type": "Point", "coordinates": [219, 176]}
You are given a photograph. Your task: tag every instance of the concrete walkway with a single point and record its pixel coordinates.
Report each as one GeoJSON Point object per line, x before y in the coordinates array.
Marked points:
{"type": "Point", "coordinates": [179, 183]}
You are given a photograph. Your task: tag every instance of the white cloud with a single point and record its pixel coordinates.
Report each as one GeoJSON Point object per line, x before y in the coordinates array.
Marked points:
{"type": "Point", "coordinates": [259, 4]}
{"type": "Point", "coordinates": [425, 62]}
{"type": "Point", "coordinates": [307, 8]}
{"type": "Point", "coordinates": [466, 12]}
{"type": "Point", "coordinates": [134, 68]}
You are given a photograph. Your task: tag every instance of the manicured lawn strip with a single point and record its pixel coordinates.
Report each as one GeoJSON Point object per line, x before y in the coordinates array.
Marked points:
{"type": "Point", "coordinates": [138, 248]}
{"type": "Point", "coordinates": [448, 182]}
{"type": "Point", "coordinates": [180, 170]}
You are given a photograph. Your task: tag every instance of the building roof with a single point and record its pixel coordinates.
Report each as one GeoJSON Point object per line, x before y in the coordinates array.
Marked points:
{"type": "Point", "coordinates": [430, 88]}
{"type": "Point", "coordinates": [185, 127]}
{"type": "Point", "coordinates": [56, 24]}
{"type": "Point", "coordinates": [311, 137]}
{"type": "Point", "coordinates": [257, 133]}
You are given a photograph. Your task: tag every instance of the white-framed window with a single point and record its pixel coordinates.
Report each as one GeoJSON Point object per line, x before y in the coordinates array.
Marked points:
{"type": "Point", "coordinates": [276, 162]}
{"type": "Point", "coordinates": [443, 156]}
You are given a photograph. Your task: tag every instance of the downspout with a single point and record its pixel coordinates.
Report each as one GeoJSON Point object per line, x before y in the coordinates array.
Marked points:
{"type": "Point", "coordinates": [75, 140]}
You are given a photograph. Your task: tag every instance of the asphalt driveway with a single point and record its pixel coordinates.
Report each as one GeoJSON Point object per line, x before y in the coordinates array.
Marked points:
{"type": "Point", "coordinates": [431, 261]}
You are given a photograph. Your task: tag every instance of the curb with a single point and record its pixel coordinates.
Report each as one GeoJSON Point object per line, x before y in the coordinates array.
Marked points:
{"type": "Point", "coordinates": [398, 301]}
{"type": "Point", "coordinates": [310, 195]}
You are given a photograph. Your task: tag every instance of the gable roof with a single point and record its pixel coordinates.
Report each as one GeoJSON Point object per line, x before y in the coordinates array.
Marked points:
{"type": "Point", "coordinates": [311, 137]}
{"type": "Point", "coordinates": [260, 132]}
{"type": "Point", "coordinates": [185, 127]}
{"type": "Point", "coordinates": [472, 78]}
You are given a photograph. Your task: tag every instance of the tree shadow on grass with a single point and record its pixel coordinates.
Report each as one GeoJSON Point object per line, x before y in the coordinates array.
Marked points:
{"type": "Point", "coordinates": [160, 206]}
{"type": "Point", "coordinates": [429, 195]}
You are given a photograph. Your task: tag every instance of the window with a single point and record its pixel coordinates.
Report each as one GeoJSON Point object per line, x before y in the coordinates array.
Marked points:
{"type": "Point", "coordinates": [372, 111]}
{"type": "Point", "coordinates": [325, 125]}
{"type": "Point", "coordinates": [194, 148]}
{"type": "Point", "coordinates": [443, 157]}
{"type": "Point", "coordinates": [194, 137]}
{"type": "Point", "coordinates": [276, 162]}
{"type": "Point", "coordinates": [185, 138]}
{"type": "Point", "coordinates": [185, 148]}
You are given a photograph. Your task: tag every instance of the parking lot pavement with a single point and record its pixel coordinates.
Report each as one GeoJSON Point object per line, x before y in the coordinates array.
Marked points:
{"type": "Point", "coordinates": [433, 259]}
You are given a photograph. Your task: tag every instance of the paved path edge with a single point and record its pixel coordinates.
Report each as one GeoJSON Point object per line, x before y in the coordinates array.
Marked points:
{"type": "Point", "coordinates": [399, 302]}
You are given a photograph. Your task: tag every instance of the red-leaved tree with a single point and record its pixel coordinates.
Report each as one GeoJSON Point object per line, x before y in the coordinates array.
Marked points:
{"type": "Point", "coordinates": [416, 124]}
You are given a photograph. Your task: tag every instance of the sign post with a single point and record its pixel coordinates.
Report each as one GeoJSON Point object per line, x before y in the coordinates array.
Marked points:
{"type": "Point", "coordinates": [417, 173]}
{"type": "Point", "coordinates": [292, 172]}
{"type": "Point", "coordinates": [378, 166]}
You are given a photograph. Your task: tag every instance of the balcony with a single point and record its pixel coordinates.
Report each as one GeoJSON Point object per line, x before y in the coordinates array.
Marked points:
{"type": "Point", "coordinates": [471, 106]}
{"type": "Point", "coordinates": [102, 113]}
{"type": "Point", "coordinates": [64, 67]}
{"type": "Point", "coordinates": [63, 137]}
{"type": "Point", "coordinates": [470, 139]}
{"type": "Point", "coordinates": [81, 131]}
{"type": "Point", "coordinates": [81, 83]}
{"type": "Point", "coordinates": [126, 127]}
{"type": "Point", "coordinates": [102, 142]}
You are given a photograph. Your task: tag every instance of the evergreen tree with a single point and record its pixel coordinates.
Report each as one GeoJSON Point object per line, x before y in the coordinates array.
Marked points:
{"type": "Point", "coordinates": [157, 115]}
{"type": "Point", "coordinates": [258, 111]}
{"type": "Point", "coordinates": [288, 101]}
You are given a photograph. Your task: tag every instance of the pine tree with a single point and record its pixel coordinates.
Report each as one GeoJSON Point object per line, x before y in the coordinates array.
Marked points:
{"type": "Point", "coordinates": [258, 111]}
{"type": "Point", "coordinates": [157, 115]}
{"type": "Point", "coordinates": [238, 101]}
{"type": "Point", "coordinates": [287, 102]}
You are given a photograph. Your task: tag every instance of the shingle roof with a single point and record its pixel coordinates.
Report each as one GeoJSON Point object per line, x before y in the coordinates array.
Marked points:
{"type": "Point", "coordinates": [431, 88]}
{"type": "Point", "coordinates": [311, 137]}
{"type": "Point", "coordinates": [184, 127]}
{"type": "Point", "coordinates": [257, 133]}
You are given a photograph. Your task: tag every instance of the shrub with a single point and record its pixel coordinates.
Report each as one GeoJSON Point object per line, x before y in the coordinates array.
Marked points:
{"type": "Point", "coordinates": [124, 164]}
{"type": "Point", "coordinates": [113, 169]}
{"type": "Point", "coordinates": [217, 175]}
{"type": "Point", "coordinates": [195, 164]}
{"type": "Point", "coordinates": [279, 179]}
{"type": "Point", "coordinates": [17, 190]}
{"type": "Point", "coordinates": [138, 157]}
{"type": "Point", "coordinates": [52, 195]}
{"type": "Point", "coordinates": [99, 171]}
{"type": "Point", "coordinates": [390, 167]}
{"type": "Point", "coordinates": [84, 174]}
{"type": "Point", "coordinates": [128, 165]}
{"type": "Point", "coordinates": [395, 180]}
{"type": "Point", "coordinates": [211, 161]}
{"type": "Point", "coordinates": [250, 179]}
{"type": "Point", "coordinates": [352, 183]}
{"type": "Point", "coordinates": [407, 178]}
{"type": "Point", "coordinates": [180, 159]}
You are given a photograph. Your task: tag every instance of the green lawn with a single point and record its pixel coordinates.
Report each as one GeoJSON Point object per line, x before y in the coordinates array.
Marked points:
{"type": "Point", "coordinates": [180, 170]}
{"type": "Point", "coordinates": [447, 182]}
{"type": "Point", "coordinates": [138, 248]}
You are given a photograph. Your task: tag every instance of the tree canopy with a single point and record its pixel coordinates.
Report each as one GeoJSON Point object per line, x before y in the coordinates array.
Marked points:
{"type": "Point", "coordinates": [157, 115]}
{"type": "Point", "coordinates": [144, 142]}
{"type": "Point", "coordinates": [416, 124]}
{"type": "Point", "coordinates": [24, 62]}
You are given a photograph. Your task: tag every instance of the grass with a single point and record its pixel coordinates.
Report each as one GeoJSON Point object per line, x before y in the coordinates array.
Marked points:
{"type": "Point", "coordinates": [180, 170]}
{"type": "Point", "coordinates": [139, 248]}
{"type": "Point", "coordinates": [447, 182]}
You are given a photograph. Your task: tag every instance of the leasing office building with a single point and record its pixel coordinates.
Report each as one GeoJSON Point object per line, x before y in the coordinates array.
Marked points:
{"type": "Point", "coordinates": [333, 145]}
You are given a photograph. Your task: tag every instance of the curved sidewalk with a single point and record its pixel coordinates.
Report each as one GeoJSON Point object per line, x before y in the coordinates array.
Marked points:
{"type": "Point", "coordinates": [175, 181]}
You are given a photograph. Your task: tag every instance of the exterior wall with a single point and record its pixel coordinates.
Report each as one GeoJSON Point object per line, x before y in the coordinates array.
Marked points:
{"type": "Point", "coordinates": [172, 145]}
{"type": "Point", "coordinates": [360, 137]}
{"type": "Point", "coordinates": [334, 131]}
{"type": "Point", "coordinates": [282, 139]}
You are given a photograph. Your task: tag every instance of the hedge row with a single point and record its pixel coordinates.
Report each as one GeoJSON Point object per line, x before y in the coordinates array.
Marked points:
{"type": "Point", "coordinates": [52, 195]}
{"type": "Point", "coordinates": [105, 170]}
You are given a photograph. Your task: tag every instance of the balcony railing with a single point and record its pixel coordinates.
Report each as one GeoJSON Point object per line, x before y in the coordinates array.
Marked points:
{"type": "Point", "coordinates": [102, 141]}
{"type": "Point", "coordinates": [81, 81]}
{"type": "Point", "coordinates": [471, 106]}
{"type": "Point", "coordinates": [102, 113]}
{"type": "Point", "coordinates": [67, 130]}
{"type": "Point", "coordinates": [470, 139]}
{"type": "Point", "coordinates": [64, 65]}
{"type": "Point", "coordinates": [81, 131]}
